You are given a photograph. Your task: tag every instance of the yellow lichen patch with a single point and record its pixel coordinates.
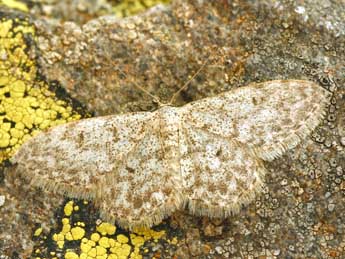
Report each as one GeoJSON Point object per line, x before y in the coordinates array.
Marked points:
{"type": "Point", "coordinates": [123, 8]}
{"type": "Point", "coordinates": [66, 227]}
{"type": "Point", "coordinates": [38, 232]}
{"type": "Point", "coordinates": [68, 209]}
{"type": "Point", "coordinates": [71, 255]}
{"type": "Point", "coordinates": [148, 233]}
{"type": "Point", "coordinates": [107, 241]}
{"type": "Point", "coordinates": [122, 239]}
{"type": "Point", "coordinates": [59, 239]}
{"type": "Point", "coordinates": [104, 242]}
{"type": "Point", "coordinates": [27, 106]}
{"type": "Point", "coordinates": [95, 237]}
{"type": "Point", "coordinates": [15, 5]}
{"type": "Point", "coordinates": [106, 228]}
{"type": "Point", "coordinates": [77, 233]}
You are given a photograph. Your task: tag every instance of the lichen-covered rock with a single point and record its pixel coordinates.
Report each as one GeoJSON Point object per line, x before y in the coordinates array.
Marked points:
{"type": "Point", "coordinates": [160, 49]}
{"type": "Point", "coordinates": [301, 212]}
{"type": "Point", "coordinates": [157, 50]}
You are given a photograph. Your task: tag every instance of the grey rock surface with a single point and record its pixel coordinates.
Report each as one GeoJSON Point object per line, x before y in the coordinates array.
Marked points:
{"type": "Point", "coordinates": [300, 214]}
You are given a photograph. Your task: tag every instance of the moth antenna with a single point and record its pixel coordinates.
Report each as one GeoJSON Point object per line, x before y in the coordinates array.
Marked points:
{"type": "Point", "coordinates": [188, 82]}
{"type": "Point", "coordinates": [155, 98]}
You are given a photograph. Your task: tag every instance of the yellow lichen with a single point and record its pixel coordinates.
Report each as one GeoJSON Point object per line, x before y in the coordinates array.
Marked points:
{"type": "Point", "coordinates": [100, 250]}
{"type": "Point", "coordinates": [71, 255]}
{"type": "Point", "coordinates": [122, 251]}
{"type": "Point", "coordinates": [15, 5]}
{"type": "Point", "coordinates": [91, 243]}
{"type": "Point", "coordinates": [60, 244]}
{"type": "Point", "coordinates": [82, 224]}
{"type": "Point", "coordinates": [85, 248]}
{"type": "Point", "coordinates": [148, 233]}
{"type": "Point", "coordinates": [77, 233]}
{"type": "Point", "coordinates": [104, 243]}
{"type": "Point", "coordinates": [122, 239]}
{"type": "Point", "coordinates": [69, 236]}
{"type": "Point", "coordinates": [66, 228]}
{"type": "Point", "coordinates": [95, 237]}
{"type": "Point", "coordinates": [137, 240]}
{"type": "Point", "coordinates": [27, 106]}
{"type": "Point", "coordinates": [59, 239]}
{"type": "Point", "coordinates": [106, 229]}
{"type": "Point", "coordinates": [92, 253]}
{"type": "Point", "coordinates": [68, 209]}
{"type": "Point", "coordinates": [26, 103]}
{"type": "Point", "coordinates": [38, 232]}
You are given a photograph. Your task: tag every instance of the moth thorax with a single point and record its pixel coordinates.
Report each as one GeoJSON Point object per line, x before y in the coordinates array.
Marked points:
{"type": "Point", "coordinates": [169, 120]}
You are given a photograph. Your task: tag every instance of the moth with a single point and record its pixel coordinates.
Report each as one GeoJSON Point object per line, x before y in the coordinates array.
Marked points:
{"type": "Point", "coordinates": [206, 156]}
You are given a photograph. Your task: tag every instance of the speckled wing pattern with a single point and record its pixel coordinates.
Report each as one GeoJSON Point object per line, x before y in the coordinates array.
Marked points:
{"type": "Point", "coordinates": [207, 155]}
{"type": "Point", "coordinates": [74, 158]}
{"type": "Point", "coordinates": [219, 175]}
{"type": "Point", "coordinates": [146, 185]}
{"type": "Point", "coordinates": [225, 138]}
{"type": "Point", "coordinates": [268, 117]}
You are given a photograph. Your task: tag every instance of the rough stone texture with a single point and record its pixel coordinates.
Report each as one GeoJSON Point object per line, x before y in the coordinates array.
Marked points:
{"type": "Point", "coordinates": [293, 218]}
{"type": "Point", "coordinates": [78, 11]}
{"type": "Point", "coordinates": [158, 50]}
{"type": "Point", "coordinates": [301, 212]}
{"type": "Point", "coordinates": [162, 48]}
{"type": "Point", "coordinates": [23, 208]}
{"type": "Point", "coordinates": [82, 11]}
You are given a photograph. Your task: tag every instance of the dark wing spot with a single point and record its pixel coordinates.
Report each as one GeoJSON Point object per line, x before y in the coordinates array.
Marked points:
{"type": "Point", "coordinates": [219, 152]}
{"type": "Point", "coordinates": [137, 203]}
